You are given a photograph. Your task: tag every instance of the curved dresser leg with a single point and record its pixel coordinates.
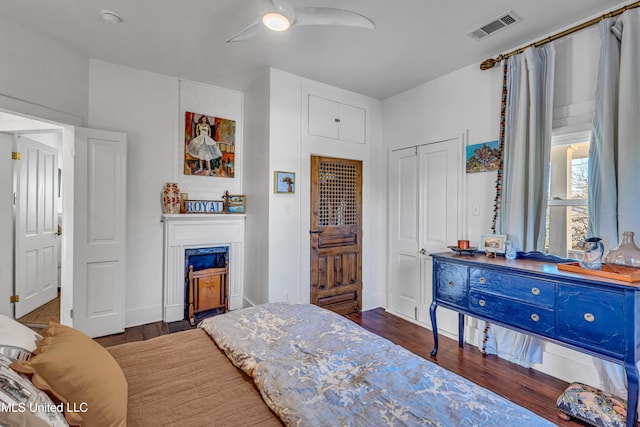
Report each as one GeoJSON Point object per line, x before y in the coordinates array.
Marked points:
{"type": "Point", "coordinates": [432, 313]}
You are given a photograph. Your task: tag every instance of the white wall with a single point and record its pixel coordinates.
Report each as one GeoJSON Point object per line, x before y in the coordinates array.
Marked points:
{"type": "Point", "coordinates": [43, 79]}
{"type": "Point", "coordinates": [278, 246]}
{"type": "Point", "coordinates": [289, 215]}
{"type": "Point", "coordinates": [257, 189]}
{"type": "Point", "coordinates": [147, 107]}
{"type": "Point", "coordinates": [469, 100]}
{"type": "Point", "coordinates": [40, 76]}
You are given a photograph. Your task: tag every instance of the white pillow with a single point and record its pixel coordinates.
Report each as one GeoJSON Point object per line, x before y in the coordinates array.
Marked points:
{"type": "Point", "coordinates": [15, 334]}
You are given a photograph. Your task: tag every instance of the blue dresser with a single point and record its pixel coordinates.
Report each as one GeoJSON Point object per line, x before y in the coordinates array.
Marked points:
{"type": "Point", "coordinates": [593, 315]}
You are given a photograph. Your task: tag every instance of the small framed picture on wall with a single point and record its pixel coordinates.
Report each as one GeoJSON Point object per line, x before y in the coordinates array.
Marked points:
{"type": "Point", "coordinates": [284, 182]}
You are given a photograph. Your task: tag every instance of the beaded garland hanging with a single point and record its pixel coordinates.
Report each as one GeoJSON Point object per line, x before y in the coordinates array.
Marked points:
{"type": "Point", "coordinates": [503, 112]}
{"type": "Point", "coordinates": [498, 200]}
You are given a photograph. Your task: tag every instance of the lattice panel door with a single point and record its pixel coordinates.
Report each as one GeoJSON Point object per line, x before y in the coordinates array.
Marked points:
{"type": "Point", "coordinates": [338, 194]}
{"type": "Point", "coordinates": [336, 234]}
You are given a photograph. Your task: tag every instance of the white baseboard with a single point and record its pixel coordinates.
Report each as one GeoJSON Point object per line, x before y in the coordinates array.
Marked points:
{"type": "Point", "coordinates": [143, 315]}
{"type": "Point", "coordinates": [235, 302]}
{"type": "Point", "coordinates": [173, 313]}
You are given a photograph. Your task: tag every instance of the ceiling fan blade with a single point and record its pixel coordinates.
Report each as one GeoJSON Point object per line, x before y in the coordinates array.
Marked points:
{"type": "Point", "coordinates": [332, 16]}
{"type": "Point", "coordinates": [248, 32]}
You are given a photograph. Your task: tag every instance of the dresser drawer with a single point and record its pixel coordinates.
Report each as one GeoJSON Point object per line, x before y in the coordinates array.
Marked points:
{"type": "Point", "coordinates": [591, 317]}
{"type": "Point", "coordinates": [532, 318]}
{"type": "Point", "coordinates": [523, 288]}
{"type": "Point", "coordinates": [451, 284]}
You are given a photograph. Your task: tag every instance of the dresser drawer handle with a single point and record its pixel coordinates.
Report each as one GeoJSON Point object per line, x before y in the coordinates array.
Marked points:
{"type": "Point", "coordinates": [535, 291]}
{"type": "Point", "coordinates": [589, 317]}
{"type": "Point", "coordinates": [450, 283]}
{"type": "Point", "coordinates": [482, 303]}
{"type": "Point", "coordinates": [535, 317]}
{"type": "Point", "coordinates": [483, 280]}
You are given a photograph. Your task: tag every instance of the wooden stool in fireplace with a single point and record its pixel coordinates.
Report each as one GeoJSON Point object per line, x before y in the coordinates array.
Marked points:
{"type": "Point", "coordinates": [208, 290]}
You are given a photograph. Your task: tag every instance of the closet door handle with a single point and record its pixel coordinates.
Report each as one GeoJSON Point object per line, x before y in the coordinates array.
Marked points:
{"type": "Point", "coordinates": [315, 231]}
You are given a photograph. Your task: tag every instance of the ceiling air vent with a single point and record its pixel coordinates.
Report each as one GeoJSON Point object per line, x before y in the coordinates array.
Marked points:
{"type": "Point", "coordinates": [499, 23]}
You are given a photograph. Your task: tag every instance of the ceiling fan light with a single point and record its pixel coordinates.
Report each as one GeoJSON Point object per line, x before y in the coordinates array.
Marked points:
{"type": "Point", "coordinates": [276, 21]}
{"type": "Point", "coordinates": [111, 17]}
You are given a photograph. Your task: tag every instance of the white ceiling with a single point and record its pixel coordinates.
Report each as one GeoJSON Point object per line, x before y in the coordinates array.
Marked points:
{"type": "Point", "coordinates": [414, 41]}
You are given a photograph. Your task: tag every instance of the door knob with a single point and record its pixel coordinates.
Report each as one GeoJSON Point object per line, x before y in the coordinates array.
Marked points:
{"type": "Point", "coordinates": [423, 251]}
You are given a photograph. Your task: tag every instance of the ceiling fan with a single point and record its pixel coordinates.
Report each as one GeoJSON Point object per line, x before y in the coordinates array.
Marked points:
{"type": "Point", "coordinates": [278, 15]}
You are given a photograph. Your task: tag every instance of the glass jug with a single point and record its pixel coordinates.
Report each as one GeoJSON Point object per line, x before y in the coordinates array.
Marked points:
{"type": "Point", "coordinates": [624, 258]}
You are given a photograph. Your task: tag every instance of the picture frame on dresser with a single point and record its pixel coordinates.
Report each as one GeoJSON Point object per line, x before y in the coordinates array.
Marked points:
{"type": "Point", "coordinates": [492, 243]}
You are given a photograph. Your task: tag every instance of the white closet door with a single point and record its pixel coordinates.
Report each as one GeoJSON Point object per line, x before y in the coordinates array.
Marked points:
{"type": "Point", "coordinates": [99, 231]}
{"type": "Point", "coordinates": [439, 213]}
{"type": "Point", "coordinates": [424, 219]}
{"type": "Point", "coordinates": [405, 258]}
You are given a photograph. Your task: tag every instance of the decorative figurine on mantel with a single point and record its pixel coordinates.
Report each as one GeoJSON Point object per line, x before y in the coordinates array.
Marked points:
{"type": "Point", "coordinates": [225, 202]}
{"type": "Point", "coordinates": [171, 198]}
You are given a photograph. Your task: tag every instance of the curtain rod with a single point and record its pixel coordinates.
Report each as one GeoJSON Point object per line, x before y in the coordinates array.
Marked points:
{"type": "Point", "coordinates": [488, 64]}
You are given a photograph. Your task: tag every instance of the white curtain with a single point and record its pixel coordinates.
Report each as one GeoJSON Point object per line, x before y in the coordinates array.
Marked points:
{"type": "Point", "coordinates": [614, 164]}
{"type": "Point", "coordinates": [529, 115]}
{"type": "Point", "coordinates": [527, 148]}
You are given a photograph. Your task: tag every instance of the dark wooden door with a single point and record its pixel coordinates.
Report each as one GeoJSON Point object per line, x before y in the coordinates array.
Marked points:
{"type": "Point", "coordinates": [336, 234]}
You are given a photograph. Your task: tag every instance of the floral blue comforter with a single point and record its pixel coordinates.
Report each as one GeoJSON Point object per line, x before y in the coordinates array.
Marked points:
{"type": "Point", "coordinates": [316, 368]}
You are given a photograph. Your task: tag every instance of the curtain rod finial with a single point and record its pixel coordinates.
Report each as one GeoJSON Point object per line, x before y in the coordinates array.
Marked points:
{"type": "Point", "coordinates": [488, 64]}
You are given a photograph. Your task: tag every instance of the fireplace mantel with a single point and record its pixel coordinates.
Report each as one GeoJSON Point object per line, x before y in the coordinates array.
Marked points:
{"type": "Point", "coordinates": [185, 231]}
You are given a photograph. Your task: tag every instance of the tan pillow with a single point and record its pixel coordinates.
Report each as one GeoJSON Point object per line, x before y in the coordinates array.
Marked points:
{"type": "Point", "coordinates": [81, 373]}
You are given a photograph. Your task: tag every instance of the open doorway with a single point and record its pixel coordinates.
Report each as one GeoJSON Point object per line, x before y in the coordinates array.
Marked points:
{"type": "Point", "coordinates": [32, 223]}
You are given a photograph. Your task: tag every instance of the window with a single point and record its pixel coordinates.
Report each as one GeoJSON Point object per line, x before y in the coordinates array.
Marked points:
{"type": "Point", "coordinates": [567, 211]}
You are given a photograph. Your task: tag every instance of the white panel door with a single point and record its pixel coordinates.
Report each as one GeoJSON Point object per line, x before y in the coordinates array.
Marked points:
{"type": "Point", "coordinates": [424, 188]}
{"type": "Point", "coordinates": [99, 231]}
{"type": "Point", "coordinates": [439, 218]}
{"type": "Point", "coordinates": [36, 225]}
{"type": "Point", "coordinates": [405, 257]}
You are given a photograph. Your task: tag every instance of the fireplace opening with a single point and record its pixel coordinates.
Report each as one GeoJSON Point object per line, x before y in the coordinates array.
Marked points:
{"type": "Point", "coordinates": [206, 282]}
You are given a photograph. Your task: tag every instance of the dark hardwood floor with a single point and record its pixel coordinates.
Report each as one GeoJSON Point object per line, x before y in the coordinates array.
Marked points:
{"type": "Point", "coordinates": [528, 388]}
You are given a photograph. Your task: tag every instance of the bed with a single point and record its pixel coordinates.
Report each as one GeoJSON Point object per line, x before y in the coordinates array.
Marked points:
{"type": "Point", "coordinates": [291, 364]}
{"type": "Point", "coordinates": [185, 379]}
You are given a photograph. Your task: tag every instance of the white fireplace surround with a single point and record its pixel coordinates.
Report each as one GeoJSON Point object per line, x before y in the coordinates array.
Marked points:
{"type": "Point", "coordinates": [186, 231]}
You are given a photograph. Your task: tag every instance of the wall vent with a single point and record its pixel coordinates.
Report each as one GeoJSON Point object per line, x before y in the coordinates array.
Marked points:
{"type": "Point", "coordinates": [499, 23]}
